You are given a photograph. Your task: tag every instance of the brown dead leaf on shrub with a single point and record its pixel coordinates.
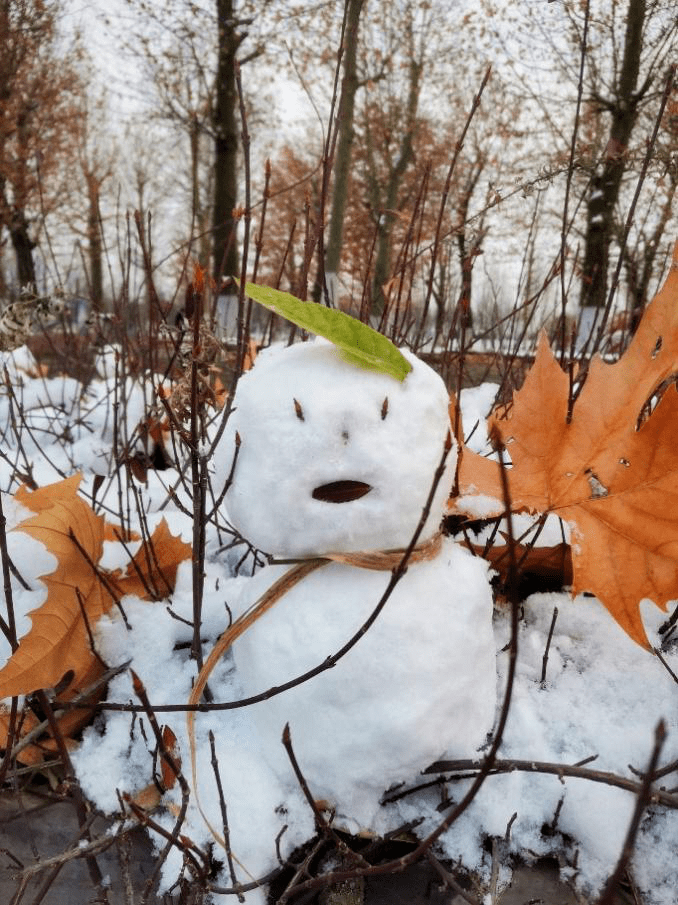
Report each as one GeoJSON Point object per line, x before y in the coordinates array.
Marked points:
{"type": "Point", "coordinates": [150, 796]}
{"type": "Point", "coordinates": [538, 567]}
{"type": "Point", "coordinates": [79, 592]}
{"type": "Point", "coordinates": [169, 777]}
{"type": "Point", "coordinates": [611, 475]}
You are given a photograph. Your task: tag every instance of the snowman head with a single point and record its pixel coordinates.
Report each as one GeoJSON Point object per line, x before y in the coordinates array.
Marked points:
{"type": "Point", "coordinates": [332, 457]}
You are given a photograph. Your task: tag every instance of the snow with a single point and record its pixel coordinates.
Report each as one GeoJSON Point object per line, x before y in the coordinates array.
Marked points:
{"type": "Point", "coordinates": [476, 403]}
{"type": "Point", "coordinates": [594, 702]}
{"type": "Point", "coordinates": [383, 710]}
{"type": "Point", "coordinates": [602, 695]}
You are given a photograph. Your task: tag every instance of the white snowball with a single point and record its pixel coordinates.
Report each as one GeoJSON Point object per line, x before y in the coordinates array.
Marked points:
{"type": "Point", "coordinates": [306, 419]}
{"type": "Point", "coordinates": [419, 685]}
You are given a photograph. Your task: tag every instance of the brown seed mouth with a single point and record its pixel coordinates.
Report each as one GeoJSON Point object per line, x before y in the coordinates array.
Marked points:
{"type": "Point", "coordinates": [341, 491]}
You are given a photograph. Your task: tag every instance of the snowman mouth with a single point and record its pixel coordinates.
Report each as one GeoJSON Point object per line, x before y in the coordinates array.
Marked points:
{"type": "Point", "coordinates": [341, 491]}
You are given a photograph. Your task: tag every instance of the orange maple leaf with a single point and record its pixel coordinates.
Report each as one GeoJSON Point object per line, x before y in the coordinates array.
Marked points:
{"type": "Point", "coordinates": [152, 571]}
{"type": "Point", "coordinates": [58, 636]}
{"type": "Point", "coordinates": [610, 475]}
{"type": "Point", "coordinates": [69, 722]}
{"type": "Point", "coordinates": [78, 591]}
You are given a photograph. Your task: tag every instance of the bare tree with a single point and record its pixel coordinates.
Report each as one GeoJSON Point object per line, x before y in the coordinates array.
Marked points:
{"type": "Point", "coordinates": [38, 99]}
{"type": "Point", "coordinates": [342, 159]}
{"type": "Point", "coordinates": [621, 100]}
{"type": "Point", "coordinates": [642, 255]}
{"type": "Point", "coordinates": [389, 127]}
{"type": "Point", "coordinates": [190, 57]}
{"type": "Point", "coordinates": [97, 164]}
{"type": "Point", "coordinates": [231, 34]}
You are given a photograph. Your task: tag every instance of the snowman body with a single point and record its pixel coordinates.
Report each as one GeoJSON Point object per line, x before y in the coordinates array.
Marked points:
{"type": "Point", "coordinates": [336, 459]}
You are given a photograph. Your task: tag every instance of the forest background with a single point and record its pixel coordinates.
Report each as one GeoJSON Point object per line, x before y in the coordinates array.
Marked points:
{"type": "Point", "coordinates": [460, 161]}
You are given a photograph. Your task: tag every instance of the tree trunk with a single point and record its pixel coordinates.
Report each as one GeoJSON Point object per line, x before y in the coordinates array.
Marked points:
{"type": "Point", "coordinates": [96, 268]}
{"type": "Point", "coordinates": [605, 184]}
{"type": "Point", "coordinates": [466, 260]}
{"type": "Point", "coordinates": [194, 139]}
{"type": "Point", "coordinates": [23, 248]}
{"type": "Point", "coordinates": [386, 215]}
{"type": "Point", "coordinates": [15, 214]}
{"type": "Point", "coordinates": [468, 255]}
{"type": "Point", "coordinates": [641, 267]}
{"type": "Point", "coordinates": [225, 252]}
{"type": "Point", "coordinates": [342, 159]}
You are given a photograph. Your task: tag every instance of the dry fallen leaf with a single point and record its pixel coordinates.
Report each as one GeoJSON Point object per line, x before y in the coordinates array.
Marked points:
{"type": "Point", "coordinates": [614, 482]}
{"type": "Point", "coordinates": [169, 777]}
{"type": "Point", "coordinates": [543, 568]}
{"type": "Point", "coordinates": [58, 639]}
{"type": "Point", "coordinates": [79, 592]}
{"type": "Point", "coordinates": [150, 796]}
{"type": "Point", "coordinates": [251, 352]}
{"type": "Point", "coordinates": [152, 571]}
{"type": "Point", "coordinates": [70, 722]}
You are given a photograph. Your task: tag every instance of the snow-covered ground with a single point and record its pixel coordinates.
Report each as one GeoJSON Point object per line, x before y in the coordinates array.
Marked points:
{"type": "Point", "coordinates": [601, 698]}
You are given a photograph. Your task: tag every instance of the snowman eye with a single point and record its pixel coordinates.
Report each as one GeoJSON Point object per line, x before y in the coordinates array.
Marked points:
{"type": "Point", "coordinates": [298, 410]}
{"type": "Point", "coordinates": [384, 408]}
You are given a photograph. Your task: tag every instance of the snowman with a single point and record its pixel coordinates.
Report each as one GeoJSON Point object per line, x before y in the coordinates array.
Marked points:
{"type": "Point", "coordinates": [340, 462]}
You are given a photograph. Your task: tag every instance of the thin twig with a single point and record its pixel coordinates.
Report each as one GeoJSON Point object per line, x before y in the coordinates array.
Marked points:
{"type": "Point", "coordinates": [88, 628]}
{"type": "Point", "coordinates": [9, 630]}
{"type": "Point", "coordinates": [82, 850]}
{"type": "Point", "coordinates": [8, 627]}
{"type": "Point", "coordinates": [173, 764]}
{"type": "Point", "coordinates": [545, 658]}
{"type": "Point", "coordinates": [79, 803]}
{"type": "Point", "coordinates": [224, 813]}
{"type": "Point", "coordinates": [666, 666]}
{"type": "Point", "coordinates": [80, 700]}
{"type": "Point", "coordinates": [451, 880]}
{"type": "Point", "coordinates": [568, 184]}
{"type": "Point", "coordinates": [99, 575]}
{"type": "Point", "coordinates": [649, 153]}
{"type": "Point", "coordinates": [320, 821]}
{"type": "Point", "coordinates": [467, 768]}
{"type": "Point", "coordinates": [642, 800]}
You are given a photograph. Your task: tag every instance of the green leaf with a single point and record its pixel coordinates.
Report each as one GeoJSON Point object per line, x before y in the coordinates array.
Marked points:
{"type": "Point", "coordinates": [357, 343]}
